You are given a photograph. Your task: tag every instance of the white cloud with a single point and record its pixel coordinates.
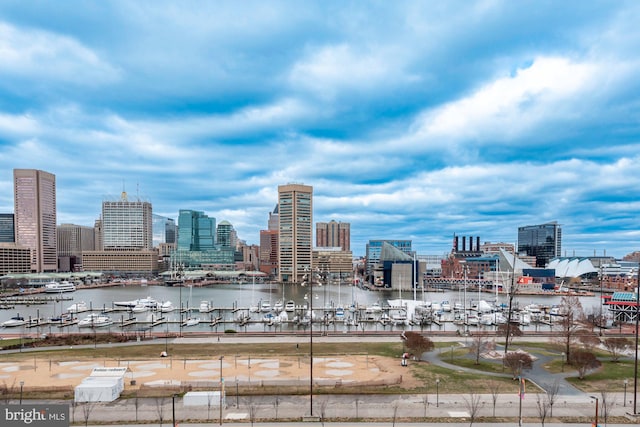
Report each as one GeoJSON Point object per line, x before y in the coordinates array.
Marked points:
{"type": "Point", "coordinates": [512, 105]}
{"type": "Point", "coordinates": [36, 54]}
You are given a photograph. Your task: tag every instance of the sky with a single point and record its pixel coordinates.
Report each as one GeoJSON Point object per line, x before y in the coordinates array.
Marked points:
{"type": "Point", "coordinates": [411, 119]}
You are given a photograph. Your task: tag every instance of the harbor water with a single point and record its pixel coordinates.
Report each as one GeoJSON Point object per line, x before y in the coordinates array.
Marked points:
{"type": "Point", "coordinates": [250, 308]}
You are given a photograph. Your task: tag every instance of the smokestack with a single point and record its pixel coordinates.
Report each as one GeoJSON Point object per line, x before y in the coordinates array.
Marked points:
{"type": "Point", "coordinates": [464, 243]}
{"type": "Point", "coordinates": [478, 243]}
{"type": "Point", "coordinates": [455, 243]}
{"type": "Point", "coordinates": [470, 243]}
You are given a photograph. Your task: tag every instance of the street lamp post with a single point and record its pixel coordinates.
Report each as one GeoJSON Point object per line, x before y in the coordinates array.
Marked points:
{"type": "Point", "coordinates": [221, 388]}
{"type": "Point", "coordinates": [437, 393]}
{"type": "Point", "coordinates": [21, 386]}
{"type": "Point", "coordinates": [563, 356]}
{"type": "Point", "coordinates": [595, 424]}
{"type": "Point", "coordinates": [624, 400]}
{"type": "Point", "coordinates": [173, 409]}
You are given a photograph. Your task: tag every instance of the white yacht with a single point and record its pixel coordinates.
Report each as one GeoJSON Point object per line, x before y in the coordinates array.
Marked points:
{"type": "Point", "coordinates": [191, 321]}
{"type": "Point", "coordinates": [166, 307]}
{"type": "Point", "coordinates": [95, 320]}
{"type": "Point", "coordinates": [57, 287]}
{"type": "Point", "coordinates": [290, 306]}
{"type": "Point", "coordinates": [14, 321]}
{"type": "Point", "coordinates": [278, 306]}
{"type": "Point", "coordinates": [205, 307]}
{"type": "Point", "coordinates": [265, 306]}
{"type": "Point", "coordinates": [78, 307]}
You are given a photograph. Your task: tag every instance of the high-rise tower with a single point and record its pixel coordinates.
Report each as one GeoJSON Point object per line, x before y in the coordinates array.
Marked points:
{"type": "Point", "coordinates": [127, 224]}
{"type": "Point", "coordinates": [35, 217]}
{"type": "Point", "coordinates": [295, 204]}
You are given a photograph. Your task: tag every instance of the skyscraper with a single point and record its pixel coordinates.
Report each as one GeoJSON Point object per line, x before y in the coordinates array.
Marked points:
{"type": "Point", "coordinates": [196, 231]}
{"type": "Point", "coordinates": [7, 234]}
{"type": "Point", "coordinates": [224, 234]}
{"type": "Point", "coordinates": [333, 234]}
{"type": "Point", "coordinates": [164, 230]}
{"type": "Point", "coordinates": [35, 217]}
{"type": "Point", "coordinates": [295, 204]}
{"type": "Point", "coordinates": [542, 241]}
{"type": "Point", "coordinates": [126, 224]}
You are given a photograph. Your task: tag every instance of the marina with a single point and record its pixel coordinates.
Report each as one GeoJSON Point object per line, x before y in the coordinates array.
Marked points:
{"type": "Point", "coordinates": [271, 307]}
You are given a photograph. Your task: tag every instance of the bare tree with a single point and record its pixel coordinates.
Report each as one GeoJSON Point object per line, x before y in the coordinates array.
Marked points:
{"type": "Point", "coordinates": [542, 402]}
{"type": "Point", "coordinates": [616, 346]}
{"type": "Point", "coordinates": [425, 402]}
{"type": "Point", "coordinates": [253, 410]}
{"type": "Point", "coordinates": [7, 391]}
{"type": "Point", "coordinates": [584, 361]}
{"type": "Point", "coordinates": [210, 400]}
{"type": "Point", "coordinates": [512, 331]}
{"type": "Point", "coordinates": [87, 407]}
{"type": "Point", "coordinates": [494, 389]}
{"type": "Point", "coordinates": [480, 343]}
{"type": "Point", "coordinates": [395, 413]}
{"type": "Point", "coordinates": [160, 403]}
{"type": "Point", "coordinates": [513, 289]}
{"type": "Point", "coordinates": [517, 362]}
{"type": "Point", "coordinates": [323, 410]}
{"type": "Point", "coordinates": [552, 395]}
{"type": "Point", "coordinates": [472, 403]}
{"type": "Point", "coordinates": [571, 323]}
{"type": "Point", "coordinates": [607, 400]}
{"type": "Point", "coordinates": [588, 339]}
{"type": "Point", "coordinates": [276, 405]}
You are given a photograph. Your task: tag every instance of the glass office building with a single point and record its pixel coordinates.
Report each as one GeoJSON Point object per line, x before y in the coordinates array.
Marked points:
{"type": "Point", "coordinates": [542, 241]}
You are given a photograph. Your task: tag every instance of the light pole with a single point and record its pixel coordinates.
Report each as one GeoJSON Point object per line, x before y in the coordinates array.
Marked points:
{"type": "Point", "coordinates": [221, 388]}
{"type": "Point", "coordinates": [21, 385]}
{"type": "Point", "coordinates": [437, 393]}
{"type": "Point", "coordinates": [595, 424]}
{"type": "Point", "coordinates": [563, 355]}
{"type": "Point", "coordinates": [173, 409]}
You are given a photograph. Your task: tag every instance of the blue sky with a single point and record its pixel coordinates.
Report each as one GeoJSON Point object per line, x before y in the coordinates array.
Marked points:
{"type": "Point", "coordinates": [411, 119]}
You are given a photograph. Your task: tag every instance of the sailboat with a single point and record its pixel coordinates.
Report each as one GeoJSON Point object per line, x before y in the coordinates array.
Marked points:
{"type": "Point", "coordinates": [253, 308]}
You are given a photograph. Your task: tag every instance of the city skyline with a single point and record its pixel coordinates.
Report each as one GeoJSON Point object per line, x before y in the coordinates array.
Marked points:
{"type": "Point", "coordinates": [410, 120]}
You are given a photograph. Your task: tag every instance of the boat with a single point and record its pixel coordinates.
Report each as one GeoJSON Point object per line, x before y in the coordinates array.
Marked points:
{"type": "Point", "coordinates": [191, 321]}
{"type": "Point", "coordinates": [205, 307]}
{"type": "Point", "coordinates": [166, 307]}
{"type": "Point", "coordinates": [63, 318]}
{"type": "Point", "coordinates": [139, 308]}
{"type": "Point", "coordinates": [57, 287]}
{"type": "Point", "coordinates": [148, 302]}
{"type": "Point", "coordinates": [290, 306]}
{"type": "Point", "coordinates": [16, 320]}
{"type": "Point", "coordinates": [265, 306]}
{"type": "Point", "coordinates": [78, 307]}
{"type": "Point", "coordinates": [446, 306]}
{"type": "Point", "coordinates": [374, 308]}
{"type": "Point", "coordinates": [95, 320]}
{"type": "Point", "coordinates": [278, 306]}
{"type": "Point", "coordinates": [339, 314]}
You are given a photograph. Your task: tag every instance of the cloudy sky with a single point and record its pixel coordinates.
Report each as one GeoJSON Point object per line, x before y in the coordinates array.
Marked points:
{"type": "Point", "coordinates": [411, 119]}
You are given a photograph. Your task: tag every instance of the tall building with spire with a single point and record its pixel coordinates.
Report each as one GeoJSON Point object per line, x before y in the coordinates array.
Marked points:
{"type": "Point", "coordinates": [295, 205]}
{"type": "Point", "coordinates": [35, 217]}
{"type": "Point", "coordinates": [127, 224]}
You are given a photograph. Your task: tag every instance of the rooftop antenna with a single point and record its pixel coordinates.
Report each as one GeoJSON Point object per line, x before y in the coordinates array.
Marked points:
{"type": "Point", "coordinates": [123, 195]}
